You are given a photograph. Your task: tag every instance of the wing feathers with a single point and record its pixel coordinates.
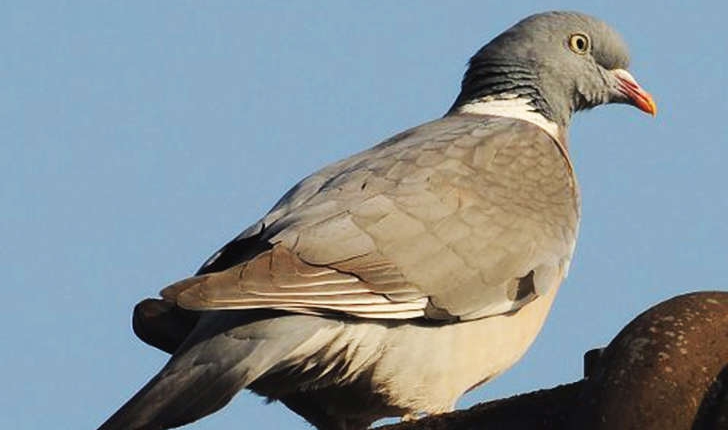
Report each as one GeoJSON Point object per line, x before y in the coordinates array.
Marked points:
{"type": "Point", "coordinates": [278, 279]}
{"type": "Point", "coordinates": [450, 214]}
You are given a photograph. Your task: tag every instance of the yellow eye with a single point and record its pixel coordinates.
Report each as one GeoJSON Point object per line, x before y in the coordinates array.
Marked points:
{"type": "Point", "coordinates": [579, 43]}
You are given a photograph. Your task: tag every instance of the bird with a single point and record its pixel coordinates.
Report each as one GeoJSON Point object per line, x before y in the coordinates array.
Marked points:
{"type": "Point", "coordinates": [390, 283]}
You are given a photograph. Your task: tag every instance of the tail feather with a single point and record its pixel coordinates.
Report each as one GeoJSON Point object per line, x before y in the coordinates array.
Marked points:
{"type": "Point", "coordinates": [224, 354]}
{"type": "Point", "coordinates": [160, 404]}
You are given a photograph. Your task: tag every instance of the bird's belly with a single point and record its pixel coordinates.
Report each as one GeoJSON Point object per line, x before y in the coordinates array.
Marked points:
{"type": "Point", "coordinates": [373, 369]}
{"type": "Point", "coordinates": [427, 368]}
{"type": "Point", "coordinates": [396, 368]}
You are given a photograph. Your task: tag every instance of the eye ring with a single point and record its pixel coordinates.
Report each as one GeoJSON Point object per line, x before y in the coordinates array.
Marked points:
{"type": "Point", "coordinates": [579, 43]}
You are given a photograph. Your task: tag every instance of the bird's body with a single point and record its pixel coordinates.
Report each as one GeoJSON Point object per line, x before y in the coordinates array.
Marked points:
{"type": "Point", "coordinates": [389, 283]}
{"type": "Point", "coordinates": [341, 374]}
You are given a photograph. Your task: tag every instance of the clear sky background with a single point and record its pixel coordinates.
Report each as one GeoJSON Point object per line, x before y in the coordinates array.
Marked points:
{"type": "Point", "coordinates": [137, 137]}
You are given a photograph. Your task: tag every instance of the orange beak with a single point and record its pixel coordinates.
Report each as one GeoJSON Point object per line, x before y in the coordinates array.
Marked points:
{"type": "Point", "coordinates": [628, 86]}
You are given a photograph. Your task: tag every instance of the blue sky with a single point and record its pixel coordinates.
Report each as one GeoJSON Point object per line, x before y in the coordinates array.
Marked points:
{"type": "Point", "coordinates": [138, 137]}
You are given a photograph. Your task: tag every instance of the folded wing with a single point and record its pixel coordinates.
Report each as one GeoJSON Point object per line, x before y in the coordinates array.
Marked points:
{"type": "Point", "coordinates": [458, 218]}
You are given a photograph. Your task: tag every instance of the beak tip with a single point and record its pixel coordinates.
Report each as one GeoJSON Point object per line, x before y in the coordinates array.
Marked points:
{"type": "Point", "coordinates": [651, 106]}
{"type": "Point", "coordinates": [636, 95]}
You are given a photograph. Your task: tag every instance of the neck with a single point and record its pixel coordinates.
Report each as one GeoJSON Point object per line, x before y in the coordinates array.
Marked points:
{"type": "Point", "coordinates": [508, 88]}
{"type": "Point", "coordinates": [510, 105]}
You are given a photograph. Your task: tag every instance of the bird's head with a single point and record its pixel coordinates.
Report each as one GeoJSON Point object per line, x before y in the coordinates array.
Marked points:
{"type": "Point", "coordinates": [560, 62]}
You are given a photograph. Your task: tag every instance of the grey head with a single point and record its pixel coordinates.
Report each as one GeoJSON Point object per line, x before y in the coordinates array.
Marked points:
{"type": "Point", "coordinates": [560, 62]}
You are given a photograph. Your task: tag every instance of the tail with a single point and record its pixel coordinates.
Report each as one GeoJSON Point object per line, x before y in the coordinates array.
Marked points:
{"type": "Point", "coordinates": [226, 352]}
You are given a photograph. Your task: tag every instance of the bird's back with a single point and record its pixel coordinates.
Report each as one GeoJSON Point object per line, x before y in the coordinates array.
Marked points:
{"type": "Point", "coordinates": [442, 212]}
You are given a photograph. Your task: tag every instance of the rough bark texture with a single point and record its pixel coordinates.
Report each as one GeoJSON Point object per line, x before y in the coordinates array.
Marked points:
{"type": "Point", "coordinates": [545, 409]}
{"type": "Point", "coordinates": [665, 370]}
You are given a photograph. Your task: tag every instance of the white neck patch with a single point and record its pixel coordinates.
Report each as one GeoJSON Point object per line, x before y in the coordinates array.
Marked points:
{"type": "Point", "coordinates": [511, 106]}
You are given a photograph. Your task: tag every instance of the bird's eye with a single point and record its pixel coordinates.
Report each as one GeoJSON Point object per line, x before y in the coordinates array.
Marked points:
{"type": "Point", "coordinates": [579, 43]}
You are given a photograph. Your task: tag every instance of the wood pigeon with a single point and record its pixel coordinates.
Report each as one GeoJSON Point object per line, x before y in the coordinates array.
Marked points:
{"type": "Point", "coordinates": [394, 281]}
